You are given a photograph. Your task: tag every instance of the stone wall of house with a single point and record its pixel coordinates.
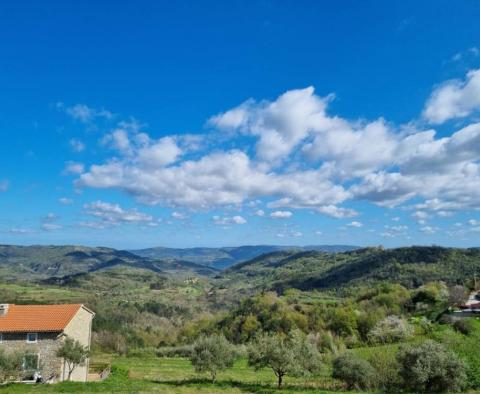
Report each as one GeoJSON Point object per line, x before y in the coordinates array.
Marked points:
{"type": "Point", "coordinates": [46, 348]}
{"type": "Point", "coordinates": [80, 329]}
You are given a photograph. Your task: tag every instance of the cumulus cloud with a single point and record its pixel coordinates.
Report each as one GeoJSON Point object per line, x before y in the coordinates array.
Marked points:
{"type": "Point", "coordinates": [216, 179]}
{"type": "Point", "coordinates": [73, 168]}
{"type": "Point", "coordinates": [454, 99]}
{"type": "Point", "coordinates": [226, 220]}
{"type": "Point", "coordinates": [260, 212]}
{"type": "Point", "coordinates": [113, 214]}
{"type": "Point", "coordinates": [280, 125]}
{"type": "Point", "coordinates": [65, 201]}
{"type": "Point", "coordinates": [281, 214]}
{"type": "Point", "coordinates": [303, 158]}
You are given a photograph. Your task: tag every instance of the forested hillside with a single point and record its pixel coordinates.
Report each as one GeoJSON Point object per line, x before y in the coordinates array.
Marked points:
{"type": "Point", "coordinates": [411, 267]}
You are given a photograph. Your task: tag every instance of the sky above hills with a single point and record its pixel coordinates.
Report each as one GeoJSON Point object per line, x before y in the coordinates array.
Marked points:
{"type": "Point", "coordinates": [243, 122]}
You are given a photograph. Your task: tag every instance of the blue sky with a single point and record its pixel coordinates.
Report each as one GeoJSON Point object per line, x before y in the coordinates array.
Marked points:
{"type": "Point", "coordinates": [242, 122]}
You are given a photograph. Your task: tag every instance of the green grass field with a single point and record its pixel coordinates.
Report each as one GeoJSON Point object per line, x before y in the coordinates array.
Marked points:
{"type": "Point", "coordinates": [175, 375]}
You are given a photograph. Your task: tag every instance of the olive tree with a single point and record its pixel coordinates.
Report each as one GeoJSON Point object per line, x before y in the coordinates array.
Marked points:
{"type": "Point", "coordinates": [212, 354]}
{"type": "Point", "coordinates": [286, 355]}
{"type": "Point", "coordinates": [430, 368]}
{"type": "Point", "coordinates": [391, 329]}
{"type": "Point", "coordinates": [356, 372]}
{"type": "Point", "coordinates": [73, 354]}
{"type": "Point", "coordinates": [10, 366]}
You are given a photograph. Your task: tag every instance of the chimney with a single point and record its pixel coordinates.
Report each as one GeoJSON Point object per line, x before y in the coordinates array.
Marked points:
{"type": "Point", "coordinates": [3, 309]}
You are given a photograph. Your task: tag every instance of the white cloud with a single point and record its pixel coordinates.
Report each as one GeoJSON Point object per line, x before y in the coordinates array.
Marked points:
{"type": "Point", "coordinates": [159, 154]}
{"type": "Point", "coordinates": [21, 230]}
{"type": "Point", "coordinates": [65, 201]}
{"type": "Point", "coordinates": [355, 224]}
{"type": "Point", "coordinates": [77, 145]}
{"type": "Point", "coordinates": [119, 140]}
{"type": "Point", "coordinates": [223, 178]}
{"type": "Point", "coordinates": [374, 161]}
{"type": "Point", "coordinates": [83, 113]}
{"type": "Point", "coordinates": [179, 215]}
{"type": "Point", "coordinates": [454, 99]}
{"type": "Point", "coordinates": [260, 212]}
{"type": "Point", "coordinates": [280, 125]}
{"type": "Point", "coordinates": [49, 217]}
{"type": "Point", "coordinates": [420, 216]}
{"type": "Point", "coordinates": [287, 233]}
{"type": "Point", "coordinates": [51, 226]}
{"type": "Point", "coordinates": [474, 222]}
{"type": "Point", "coordinates": [93, 225]}
{"type": "Point", "coordinates": [113, 215]}
{"type": "Point", "coordinates": [281, 214]}
{"type": "Point", "coordinates": [226, 220]}
{"type": "Point", "coordinates": [429, 230]}
{"type": "Point", "coordinates": [73, 168]}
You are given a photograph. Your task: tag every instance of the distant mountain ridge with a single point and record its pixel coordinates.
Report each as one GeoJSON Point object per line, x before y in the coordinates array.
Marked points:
{"type": "Point", "coordinates": [40, 262]}
{"type": "Point", "coordinates": [225, 257]}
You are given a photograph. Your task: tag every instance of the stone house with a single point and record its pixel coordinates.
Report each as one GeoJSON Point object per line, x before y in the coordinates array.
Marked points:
{"type": "Point", "coordinates": [39, 330]}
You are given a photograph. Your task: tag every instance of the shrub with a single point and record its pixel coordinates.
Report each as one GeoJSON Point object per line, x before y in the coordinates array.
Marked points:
{"type": "Point", "coordinates": [326, 342]}
{"type": "Point", "coordinates": [463, 326]}
{"type": "Point", "coordinates": [356, 372]}
{"type": "Point", "coordinates": [10, 366]}
{"type": "Point", "coordinates": [212, 354]}
{"type": "Point", "coordinates": [174, 351]}
{"type": "Point", "coordinates": [429, 367]}
{"type": "Point", "coordinates": [457, 295]}
{"type": "Point", "coordinates": [391, 329]}
{"type": "Point", "coordinates": [387, 367]}
{"type": "Point", "coordinates": [141, 352]}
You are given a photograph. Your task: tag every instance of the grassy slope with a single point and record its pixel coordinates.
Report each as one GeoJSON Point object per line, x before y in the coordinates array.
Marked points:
{"type": "Point", "coordinates": [170, 376]}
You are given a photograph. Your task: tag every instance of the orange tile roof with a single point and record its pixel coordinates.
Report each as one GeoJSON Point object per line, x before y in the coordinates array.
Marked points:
{"type": "Point", "coordinates": [38, 318]}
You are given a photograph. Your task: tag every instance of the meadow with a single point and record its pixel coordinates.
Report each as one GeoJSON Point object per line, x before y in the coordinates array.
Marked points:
{"type": "Point", "coordinates": [176, 376]}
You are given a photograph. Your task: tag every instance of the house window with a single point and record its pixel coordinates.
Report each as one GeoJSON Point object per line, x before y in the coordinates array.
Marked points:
{"type": "Point", "coordinates": [32, 337]}
{"type": "Point", "coordinates": [30, 362]}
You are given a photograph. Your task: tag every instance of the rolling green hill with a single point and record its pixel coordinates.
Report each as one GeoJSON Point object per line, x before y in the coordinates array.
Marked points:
{"type": "Point", "coordinates": [225, 257]}
{"type": "Point", "coordinates": [409, 266]}
{"type": "Point", "coordinates": [41, 262]}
